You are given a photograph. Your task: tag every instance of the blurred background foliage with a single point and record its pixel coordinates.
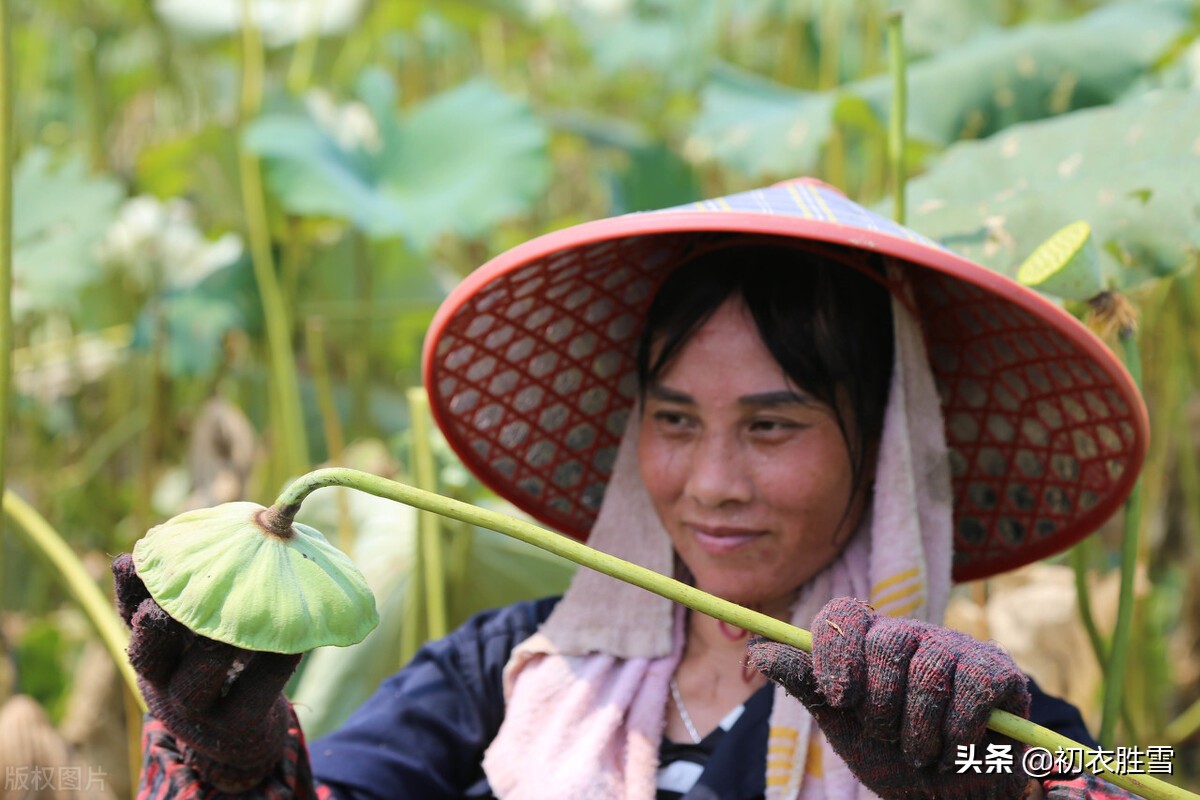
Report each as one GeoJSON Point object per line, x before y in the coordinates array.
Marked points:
{"type": "Point", "coordinates": [234, 220]}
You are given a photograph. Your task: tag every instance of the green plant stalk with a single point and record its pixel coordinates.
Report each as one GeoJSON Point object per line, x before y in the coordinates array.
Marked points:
{"type": "Point", "coordinates": [898, 119]}
{"type": "Point", "coordinates": [1083, 598]}
{"type": "Point", "coordinates": [288, 504]}
{"type": "Point", "coordinates": [49, 545]}
{"type": "Point", "coordinates": [7, 154]}
{"type": "Point", "coordinates": [290, 438]}
{"type": "Point", "coordinates": [314, 340]}
{"type": "Point", "coordinates": [1114, 673]}
{"type": "Point", "coordinates": [433, 568]}
{"type": "Point", "coordinates": [1083, 595]}
{"type": "Point", "coordinates": [305, 55]}
{"type": "Point", "coordinates": [1184, 726]}
{"type": "Point", "coordinates": [83, 42]}
{"type": "Point", "coordinates": [831, 24]}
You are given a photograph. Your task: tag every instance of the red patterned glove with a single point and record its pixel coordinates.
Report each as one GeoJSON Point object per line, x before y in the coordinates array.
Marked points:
{"type": "Point", "coordinates": [896, 698]}
{"type": "Point", "coordinates": [224, 705]}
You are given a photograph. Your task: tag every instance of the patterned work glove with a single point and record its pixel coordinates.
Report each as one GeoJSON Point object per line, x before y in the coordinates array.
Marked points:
{"type": "Point", "coordinates": [897, 697]}
{"type": "Point", "coordinates": [224, 705]}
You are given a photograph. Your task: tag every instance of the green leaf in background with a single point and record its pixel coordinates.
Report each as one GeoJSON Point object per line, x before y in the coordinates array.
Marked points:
{"type": "Point", "coordinates": [655, 178]}
{"type": "Point", "coordinates": [195, 320]}
{"type": "Point", "coordinates": [758, 127]}
{"type": "Point", "coordinates": [459, 162]}
{"type": "Point", "coordinates": [1119, 167]}
{"type": "Point", "coordinates": [59, 214]}
{"type": "Point", "coordinates": [202, 166]}
{"type": "Point", "coordinates": [766, 130]}
{"type": "Point", "coordinates": [675, 41]}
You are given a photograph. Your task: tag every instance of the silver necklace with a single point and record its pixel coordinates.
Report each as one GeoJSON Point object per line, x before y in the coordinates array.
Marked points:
{"type": "Point", "coordinates": [683, 715]}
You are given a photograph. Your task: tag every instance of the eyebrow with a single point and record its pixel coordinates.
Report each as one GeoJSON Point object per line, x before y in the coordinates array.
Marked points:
{"type": "Point", "coordinates": [774, 399]}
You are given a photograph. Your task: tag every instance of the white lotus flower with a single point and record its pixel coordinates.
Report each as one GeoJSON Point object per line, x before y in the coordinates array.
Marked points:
{"type": "Point", "coordinates": [158, 243]}
{"type": "Point", "coordinates": [282, 22]}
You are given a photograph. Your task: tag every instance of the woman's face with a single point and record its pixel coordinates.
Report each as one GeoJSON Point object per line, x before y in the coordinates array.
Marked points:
{"type": "Point", "coordinates": [749, 474]}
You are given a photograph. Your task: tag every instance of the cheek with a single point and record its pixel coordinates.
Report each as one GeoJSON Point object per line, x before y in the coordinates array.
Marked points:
{"type": "Point", "coordinates": [812, 482]}
{"type": "Point", "coordinates": [658, 466]}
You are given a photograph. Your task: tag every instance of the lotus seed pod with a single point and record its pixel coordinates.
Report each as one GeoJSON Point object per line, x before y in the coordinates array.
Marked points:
{"type": "Point", "coordinates": [224, 573]}
{"type": "Point", "coordinates": [1065, 265]}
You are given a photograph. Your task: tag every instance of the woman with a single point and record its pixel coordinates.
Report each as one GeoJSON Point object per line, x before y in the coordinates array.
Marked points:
{"type": "Point", "coordinates": [787, 450]}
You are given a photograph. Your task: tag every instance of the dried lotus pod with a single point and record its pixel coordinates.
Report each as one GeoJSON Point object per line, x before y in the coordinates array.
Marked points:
{"type": "Point", "coordinates": [235, 574]}
{"type": "Point", "coordinates": [1065, 265]}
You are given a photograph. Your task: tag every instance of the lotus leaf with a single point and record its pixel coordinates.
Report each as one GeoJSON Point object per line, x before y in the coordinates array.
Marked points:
{"type": "Point", "coordinates": [53, 239]}
{"type": "Point", "coordinates": [765, 129]}
{"type": "Point", "coordinates": [457, 163]}
{"type": "Point", "coordinates": [222, 575]}
{"type": "Point", "coordinates": [1121, 168]}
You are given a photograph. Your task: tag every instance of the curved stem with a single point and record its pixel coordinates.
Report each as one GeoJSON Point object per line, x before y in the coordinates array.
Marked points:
{"type": "Point", "coordinates": [46, 542]}
{"type": "Point", "coordinates": [1118, 654]}
{"type": "Point", "coordinates": [288, 504]}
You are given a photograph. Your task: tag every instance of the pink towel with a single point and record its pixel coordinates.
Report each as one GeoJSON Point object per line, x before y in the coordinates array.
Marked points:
{"type": "Point", "coordinates": [587, 694]}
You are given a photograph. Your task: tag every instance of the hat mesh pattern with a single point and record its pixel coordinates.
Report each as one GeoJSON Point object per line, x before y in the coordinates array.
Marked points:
{"type": "Point", "coordinates": [1039, 435]}
{"type": "Point", "coordinates": [536, 375]}
{"type": "Point", "coordinates": [534, 379]}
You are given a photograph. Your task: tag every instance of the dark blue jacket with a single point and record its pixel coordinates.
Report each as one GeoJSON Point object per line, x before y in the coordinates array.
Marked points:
{"type": "Point", "coordinates": [423, 734]}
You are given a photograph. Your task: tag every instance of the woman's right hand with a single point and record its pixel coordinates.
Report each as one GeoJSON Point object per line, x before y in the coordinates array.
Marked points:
{"type": "Point", "coordinates": [224, 705]}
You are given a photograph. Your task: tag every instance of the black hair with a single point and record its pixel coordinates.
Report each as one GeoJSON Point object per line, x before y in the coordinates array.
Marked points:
{"type": "Point", "coordinates": [828, 326]}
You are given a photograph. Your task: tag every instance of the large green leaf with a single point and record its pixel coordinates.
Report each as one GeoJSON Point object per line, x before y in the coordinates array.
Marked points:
{"type": "Point", "coordinates": [759, 127]}
{"type": "Point", "coordinates": [1127, 169]}
{"type": "Point", "coordinates": [59, 214]}
{"type": "Point", "coordinates": [1026, 73]}
{"type": "Point", "coordinates": [459, 162]}
{"type": "Point", "coordinates": [675, 41]}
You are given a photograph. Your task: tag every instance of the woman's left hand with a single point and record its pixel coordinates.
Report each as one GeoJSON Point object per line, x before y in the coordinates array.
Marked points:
{"type": "Point", "coordinates": [898, 698]}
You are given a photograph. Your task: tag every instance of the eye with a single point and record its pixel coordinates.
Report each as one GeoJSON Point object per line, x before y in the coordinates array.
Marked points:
{"type": "Point", "coordinates": [771, 427]}
{"type": "Point", "coordinates": [670, 421]}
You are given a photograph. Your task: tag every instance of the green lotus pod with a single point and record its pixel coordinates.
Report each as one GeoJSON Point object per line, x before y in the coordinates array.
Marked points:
{"type": "Point", "coordinates": [1066, 265]}
{"type": "Point", "coordinates": [234, 573]}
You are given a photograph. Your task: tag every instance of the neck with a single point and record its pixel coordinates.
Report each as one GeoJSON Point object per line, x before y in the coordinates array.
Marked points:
{"type": "Point", "coordinates": [724, 641]}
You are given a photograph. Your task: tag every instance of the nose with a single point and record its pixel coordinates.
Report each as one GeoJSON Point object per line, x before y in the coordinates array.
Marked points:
{"type": "Point", "coordinates": [717, 474]}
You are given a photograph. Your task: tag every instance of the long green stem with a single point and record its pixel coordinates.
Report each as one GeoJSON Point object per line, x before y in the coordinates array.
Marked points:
{"type": "Point", "coordinates": [433, 569]}
{"type": "Point", "coordinates": [305, 55]}
{"type": "Point", "coordinates": [289, 433]}
{"type": "Point", "coordinates": [6, 226]}
{"type": "Point", "coordinates": [49, 545]}
{"type": "Point", "coordinates": [898, 119]}
{"type": "Point", "coordinates": [288, 503]}
{"type": "Point", "coordinates": [1083, 600]}
{"type": "Point", "coordinates": [1118, 654]}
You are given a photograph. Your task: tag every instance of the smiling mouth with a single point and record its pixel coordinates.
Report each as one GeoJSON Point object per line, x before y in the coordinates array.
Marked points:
{"type": "Point", "coordinates": [723, 541]}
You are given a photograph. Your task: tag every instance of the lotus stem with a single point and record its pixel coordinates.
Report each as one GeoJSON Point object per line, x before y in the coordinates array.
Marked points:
{"type": "Point", "coordinates": [305, 54]}
{"type": "Point", "coordinates": [1184, 726]}
{"type": "Point", "coordinates": [289, 433]}
{"type": "Point", "coordinates": [433, 570]}
{"type": "Point", "coordinates": [898, 119]}
{"type": "Point", "coordinates": [1083, 599]}
{"type": "Point", "coordinates": [49, 545]}
{"type": "Point", "coordinates": [6, 247]}
{"type": "Point", "coordinates": [1118, 653]}
{"type": "Point", "coordinates": [1022, 730]}
{"type": "Point", "coordinates": [334, 443]}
